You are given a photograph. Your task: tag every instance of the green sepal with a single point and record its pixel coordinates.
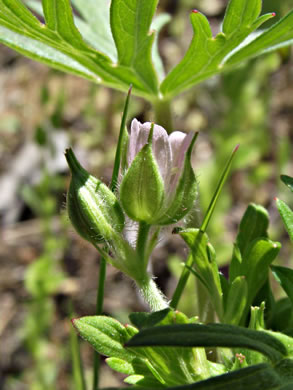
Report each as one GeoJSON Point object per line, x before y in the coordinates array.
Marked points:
{"type": "Point", "coordinates": [142, 187]}
{"type": "Point", "coordinates": [92, 207]}
{"type": "Point", "coordinates": [185, 195]}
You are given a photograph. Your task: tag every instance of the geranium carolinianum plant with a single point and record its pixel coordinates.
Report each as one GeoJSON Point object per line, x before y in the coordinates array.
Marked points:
{"type": "Point", "coordinates": [158, 187]}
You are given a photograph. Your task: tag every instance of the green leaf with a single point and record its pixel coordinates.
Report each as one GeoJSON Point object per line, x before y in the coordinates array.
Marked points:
{"type": "Point", "coordinates": [206, 54]}
{"type": "Point", "coordinates": [239, 14]}
{"type": "Point", "coordinates": [41, 52]}
{"type": "Point", "coordinates": [253, 252]}
{"type": "Point", "coordinates": [255, 265]}
{"type": "Point", "coordinates": [258, 377]}
{"type": "Point", "coordinates": [288, 181]}
{"type": "Point", "coordinates": [146, 320]}
{"type": "Point", "coordinates": [287, 216]}
{"type": "Point", "coordinates": [281, 316]}
{"type": "Point", "coordinates": [60, 39]}
{"type": "Point", "coordinates": [43, 39]}
{"type": "Point", "coordinates": [157, 24]}
{"type": "Point", "coordinates": [236, 301]}
{"type": "Point", "coordinates": [96, 15]}
{"type": "Point", "coordinates": [105, 334]}
{"type": "Point", "coordinates": [214, 335]}
{"type": "Point", "coordinates": [94, 27]}
{"type": "Point", "coordinates": [59, 18]}
{"type": "Point", "coordinates": [279, 35]}
{"type": "Point", "coordinates": [153, 366]}
{"type": "Point", "coordinates": [286, 340]}
{"type": "Point", "coordinates": [284, 277]}
{"type": "Point", "coordinates": [120, 365]}
{"type": "Point", "coordinates": [254, 224]}
{"type": "Point", "coordinates": [130, 24]}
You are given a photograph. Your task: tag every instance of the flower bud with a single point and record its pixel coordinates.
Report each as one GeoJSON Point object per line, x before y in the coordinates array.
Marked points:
{"type": "Point", "coordinates": [142, 188]}
{"type": "Point", "coordinates": [159, 187]}
{"type": "Point", "coordinates": [93, 209]}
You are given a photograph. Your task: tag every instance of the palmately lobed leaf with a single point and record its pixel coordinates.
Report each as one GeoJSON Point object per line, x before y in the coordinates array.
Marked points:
{"type": "Point", "coordinates": [31, 38]}
{"type": "Point", "coordinates": [207, 55]}
{"type": "Point", "coordinates": [130, 55]}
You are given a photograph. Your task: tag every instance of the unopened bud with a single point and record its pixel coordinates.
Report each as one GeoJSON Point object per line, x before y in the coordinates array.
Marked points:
{"type": "Point", "coordinates": [92, 208]}
{"type": "Point", "coordinates": [142, 188]}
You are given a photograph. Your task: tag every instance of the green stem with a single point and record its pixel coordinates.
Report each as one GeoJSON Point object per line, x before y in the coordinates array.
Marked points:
{"type": "Point", "coordinates": [77, 366]}
{"type": "Point", "coordinates": [151, 294]}
{"type": "Point", "coordinates": [99, 311]}
{"type": "Point", "coordinates": [141, 243]}
{"type": "Point", "coordinates": [182, 282]}
{"type": "Point", "coordinates": [152, 242]}
{"type": "Point", "coordinates": [163, 114]}
{"type": "Point", "coordinates": [78, 373]}
{"type": "Point", "coordinates": [122, 133]}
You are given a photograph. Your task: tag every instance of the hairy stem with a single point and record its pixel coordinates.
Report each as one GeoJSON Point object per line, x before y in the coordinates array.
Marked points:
{"type": "Point", "coordinates": [151, 294]}
{"type": "Point", "coordinates": [141, 243]}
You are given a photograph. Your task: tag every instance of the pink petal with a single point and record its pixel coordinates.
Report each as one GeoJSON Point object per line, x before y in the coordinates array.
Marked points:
{"type": "Point", "coordinates": [175, 139]}
{"type": "Point", "coordinates": [138, 138]}
{"type": "Point", "coordinates": [179, 145]}
{"type": "Point", "coordinates": [162, 151]}
{"type": "Point", "coordinates": [161, 147]}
